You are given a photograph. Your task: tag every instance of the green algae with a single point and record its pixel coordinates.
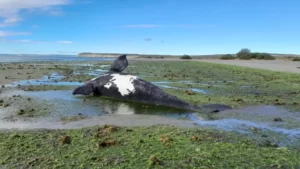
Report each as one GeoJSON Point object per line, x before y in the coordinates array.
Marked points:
{"type": "Point", "coordinates": [114, 147]}
{"type": "Point", "coordinates": [27, 107]}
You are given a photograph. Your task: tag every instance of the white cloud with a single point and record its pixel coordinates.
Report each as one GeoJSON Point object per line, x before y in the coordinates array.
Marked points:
{"type": "Point", "coordinates": [11, 33]}
{"type": "Point", "coordinates": [64, 42]}
{"type": "Point", "coordinates": [29, 41]}
{"type": "Point", "coordinates": [38, 41]}
{"type": "Point", "coordinates": [10, 9]}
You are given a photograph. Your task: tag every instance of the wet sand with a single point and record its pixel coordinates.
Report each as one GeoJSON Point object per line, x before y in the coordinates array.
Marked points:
{"type": "Point", "coordinates": [119, 120]}
{"type": "Point", "coordinates": [17, 71]}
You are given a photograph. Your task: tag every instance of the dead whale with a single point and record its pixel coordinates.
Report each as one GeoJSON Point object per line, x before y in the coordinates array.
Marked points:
{"type": "Point", "coordinates": [118, 85]}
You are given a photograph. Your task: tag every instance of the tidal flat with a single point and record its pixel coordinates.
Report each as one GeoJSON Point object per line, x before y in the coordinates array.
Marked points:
{"type": "Point", "coordinates": [266, 111]}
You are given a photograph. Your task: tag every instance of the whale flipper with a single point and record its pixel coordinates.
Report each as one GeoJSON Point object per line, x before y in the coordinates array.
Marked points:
{"type": "Point", "coordinates": [119, 64]}
{"type": "Point", "coordinates": [86, 89]}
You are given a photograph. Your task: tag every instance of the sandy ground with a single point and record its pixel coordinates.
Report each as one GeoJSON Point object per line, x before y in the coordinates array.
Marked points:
{"type": "Point", "coordinates": [119, 120]}
{"type": "Point", "coordinates": [274, 65]}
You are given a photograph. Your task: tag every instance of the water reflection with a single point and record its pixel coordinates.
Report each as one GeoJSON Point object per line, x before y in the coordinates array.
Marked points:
{"type": "Point", "coordinates": [90, 106]}
{"type": "Point", "coordinates": [53, 79]}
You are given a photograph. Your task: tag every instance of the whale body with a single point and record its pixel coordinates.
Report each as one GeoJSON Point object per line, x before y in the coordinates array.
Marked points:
{"type": "Point", "coordinates": [122, 86]}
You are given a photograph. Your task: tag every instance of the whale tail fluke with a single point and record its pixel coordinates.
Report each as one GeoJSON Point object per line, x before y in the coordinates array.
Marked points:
{"type": "Point", "coordinates": [86, 89]}
{"type": "Point", "coordinates": [119, 64]}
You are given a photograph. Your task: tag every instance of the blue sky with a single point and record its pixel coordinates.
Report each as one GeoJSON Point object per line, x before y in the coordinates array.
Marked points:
{"type": "Point", "coordinates": [149, 26]}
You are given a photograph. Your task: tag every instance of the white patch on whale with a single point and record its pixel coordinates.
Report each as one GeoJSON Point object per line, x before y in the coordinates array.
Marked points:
{"type": "Point", "coordinates": [94, 78]}
{"type": "Point", "coordinates": [124, 83]}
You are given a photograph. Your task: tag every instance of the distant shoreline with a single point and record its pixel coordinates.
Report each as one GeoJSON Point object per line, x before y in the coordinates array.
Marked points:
{"type": "Point", "coordinates": [134, 56]}
{"type": "Point", "coordinates": [283, 62]}
{"type": "Point", "coordinates": [157, 56]}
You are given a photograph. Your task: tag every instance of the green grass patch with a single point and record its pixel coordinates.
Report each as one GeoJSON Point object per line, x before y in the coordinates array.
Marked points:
{"type": "Point", "coordinates": [296, 59]}
{"type": "Point", "coordinates": [139, 147]}
{"type": "Point", "coordinates": [227, 57]}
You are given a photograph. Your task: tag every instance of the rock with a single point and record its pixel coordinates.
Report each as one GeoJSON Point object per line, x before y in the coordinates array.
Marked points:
{"type": "Point", "coordinates": [189, 92]}
{"type": "Point", "coordinates": [268, 143]}
{"type": "Point", "coordinates": [66, 140]}
{"type": "Point", "coordinates": [277, 119]}
{"type": "Point", "coordinates": [21, 112]}
{"type": "Point", "coordinates": [5, 105]}
{"type": "Point", "coordinates": [255, 130]}
{"type": "Point", "coordinates": [214, 108]}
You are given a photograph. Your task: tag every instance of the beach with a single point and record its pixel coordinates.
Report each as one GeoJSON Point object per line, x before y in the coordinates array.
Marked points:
{"type": "Point", "coordinates": [37, 105]}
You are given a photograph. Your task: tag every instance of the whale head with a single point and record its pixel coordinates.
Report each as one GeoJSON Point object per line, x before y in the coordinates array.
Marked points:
{"type": "Point", "coordinates": [86, 89]}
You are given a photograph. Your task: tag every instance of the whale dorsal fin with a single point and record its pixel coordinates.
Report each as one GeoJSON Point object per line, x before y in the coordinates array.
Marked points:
{"type": "Point", "coordinates": [119, 64]}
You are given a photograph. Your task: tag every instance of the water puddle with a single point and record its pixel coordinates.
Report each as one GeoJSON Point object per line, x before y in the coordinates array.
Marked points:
{"type": "Point", "coordinates": [96, 72]}
{"type": "Point", "coordinates": [259, 122]}
{"type": "Point", "coordinates": [177, 88]}
{"type": "Point", "coordinates": [43, 58]}
{"type": "Point", "coordinates": [68, 105]}
{"type": "Point", "coordinates": [83, 64]}
{"type": "Point", "coordinates": [53, 79]}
